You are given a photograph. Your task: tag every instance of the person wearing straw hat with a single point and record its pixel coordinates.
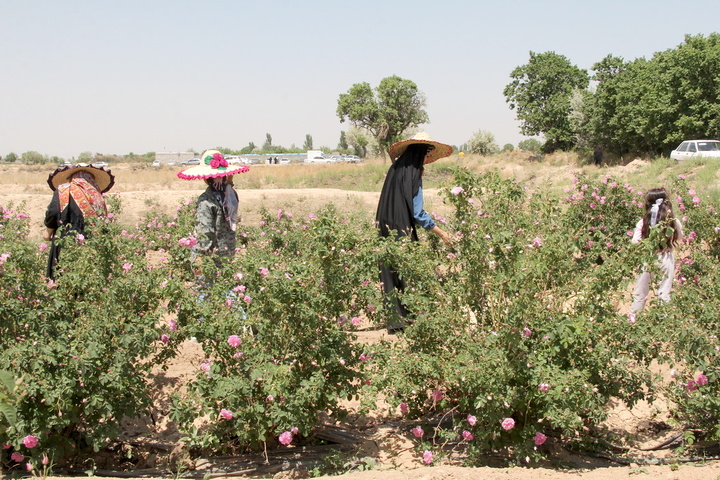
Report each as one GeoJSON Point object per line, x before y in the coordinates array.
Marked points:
{"type": "Point", "coordinates": [400, 208]}
{"type": "Point", "coordinates": [216, 214]}
{"type": "Point", "coordinates": [77, 196]}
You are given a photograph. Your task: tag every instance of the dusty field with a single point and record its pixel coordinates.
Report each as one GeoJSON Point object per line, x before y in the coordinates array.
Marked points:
{"type": "Point", "coordinates": [385, 437]}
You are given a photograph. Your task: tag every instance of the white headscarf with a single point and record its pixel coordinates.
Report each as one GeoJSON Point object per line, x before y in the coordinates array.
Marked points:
{"type": "Point", "coordinates": [654, 212]}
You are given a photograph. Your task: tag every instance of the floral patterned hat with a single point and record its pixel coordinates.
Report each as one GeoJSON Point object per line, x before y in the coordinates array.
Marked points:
{"type": "Point", "coordinates": [212, 165]}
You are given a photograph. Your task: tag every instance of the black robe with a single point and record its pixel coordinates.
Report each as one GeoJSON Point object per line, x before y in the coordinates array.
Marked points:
{"type": "Point", "coordinates": [72, 217]}
{"type": "Point", "coordinates": [395, 213]}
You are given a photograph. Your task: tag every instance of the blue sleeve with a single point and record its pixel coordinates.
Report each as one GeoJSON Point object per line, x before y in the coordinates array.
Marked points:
{"type": "Point", "coordinates": [421, 216]}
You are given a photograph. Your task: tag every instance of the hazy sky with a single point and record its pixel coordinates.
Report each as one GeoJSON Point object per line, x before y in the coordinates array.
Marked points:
{"type": "Point", "coordinates": [116, 77]}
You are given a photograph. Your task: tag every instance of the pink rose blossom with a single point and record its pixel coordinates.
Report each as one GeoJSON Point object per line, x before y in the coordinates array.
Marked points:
{"type": "Point", "coordinates": [472, 420]}
{"type": "Point", "coordinates": [285, 438]}
{"type": "Point", "coordinates": [247, 299]}
{"type": "Point", "coordinates": [355, 321]}
{"type": "Point", "coordinates": [418, 432]}
{"type": "Point", "coordinates": [226, 414]}
{"type": "Point", "coordinates": [80, 238]}
{"type": "Point", "coordinates": [427, 457]}
{"type": "Point", "coordinates": [437, 395]}
{"type": "Point", "coordinates": [17, 457]}
{"type": "Point", "coordinates": [294, 430]}
{"type": "Point", "coordinates": [696, 199]}
{"type": "Point", "coordinates": [467, 436]}
{"type": "Point", "coordinates": [127, 267]}
{"type": "Point", "coordinates": [544, 387]}
{"type": "Point", "coordinates": [234, 341]}
{"type": "Point", "coordinates": [205, 366]}
{"type": "Point", "coordinates": [701, 380]}
{"type": "Point", "coordinates": [172, 325]}
{"type": "Point", "coordinates": [526, 332]}
{"type": "Point", "coordinates": [508, 424]}
{"type": "Point", "coordinates": [691, 386]}
{"type": "Point", "coordinates": [164, 338]}
{"type": "Point", "coordinates": [264, 271]}
{"type": "Point", "coordinates": [404, 408]}
{"type": "Point", "coordinates": [539, 438]}
{"type": "Point", "coordinates": [457, 190]}
{"type": "Point", "coordinates": [30, 441]}
{"type": "Point", "coordinates": [43, 246]}
{"type": "Point", "coordinates": [537, 242]}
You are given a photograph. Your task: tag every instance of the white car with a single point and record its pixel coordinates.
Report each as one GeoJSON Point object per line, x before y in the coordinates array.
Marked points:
{"type": "Point", "coordinates": [696, 149]}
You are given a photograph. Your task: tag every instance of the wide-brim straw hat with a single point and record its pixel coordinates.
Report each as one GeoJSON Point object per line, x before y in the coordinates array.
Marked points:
{"type": "Point", "coordinates": [103, 178]}
{"type": "Point", "coordinates": [212, 165]}
{"type": "Point", "coordinates": [441, 150]}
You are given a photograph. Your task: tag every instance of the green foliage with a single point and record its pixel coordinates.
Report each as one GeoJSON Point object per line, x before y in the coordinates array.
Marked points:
{"type": "Point", "coordinates": [11, 157]}
{"type": "Point", "coordinates": [33, 158]}
{"type": "Point", "coordinates": [308, 145]}
{"type": "Point", "coordinates": [394, 106]}
{"type": "Point", "coordinates": [508, 147]}
{"type": "Point", "coordinates": [530, 145]}
{"type": "Point", "coordinates": [482, 143]}
{"type": "Point", "coordinates": [540, 92]}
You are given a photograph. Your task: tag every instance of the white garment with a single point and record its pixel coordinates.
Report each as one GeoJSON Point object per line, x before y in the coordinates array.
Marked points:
{"type": "Point", "coordinates": [666, 264]}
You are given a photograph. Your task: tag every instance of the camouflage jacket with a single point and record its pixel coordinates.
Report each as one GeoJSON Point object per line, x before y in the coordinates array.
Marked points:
{"type": "Point", "coordinates": [212, 230]}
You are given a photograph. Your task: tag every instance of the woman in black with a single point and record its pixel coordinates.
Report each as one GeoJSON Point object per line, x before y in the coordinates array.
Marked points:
{"type": "Point", "coordinates": [400, 208]}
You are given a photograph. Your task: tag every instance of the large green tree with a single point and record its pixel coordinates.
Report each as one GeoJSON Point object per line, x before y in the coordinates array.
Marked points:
{"type": "Point", "coordinates": [540, 92]}
{"type": "Point", "coordinates": [387, 111]}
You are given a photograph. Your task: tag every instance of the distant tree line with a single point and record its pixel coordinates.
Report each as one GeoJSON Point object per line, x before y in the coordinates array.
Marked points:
{"type": "Point", "coordinates": [640, 106]}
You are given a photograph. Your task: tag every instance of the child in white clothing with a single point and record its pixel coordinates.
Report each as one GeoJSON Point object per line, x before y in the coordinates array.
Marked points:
{"type": "Point", "coordinates": [658, 213]}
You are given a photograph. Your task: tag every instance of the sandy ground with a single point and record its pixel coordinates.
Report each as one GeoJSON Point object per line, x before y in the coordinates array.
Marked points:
{"type": "Point", "coordinates": [386, 438]}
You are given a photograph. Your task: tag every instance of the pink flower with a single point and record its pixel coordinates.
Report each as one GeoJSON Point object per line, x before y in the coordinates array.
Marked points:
{"type": "Point", "coordinates": [205, 366]}
{"type": "Point", "coordinates": [226, 414]}
{"type": "Point", "coordinates": [696, 199]}
{"type": "Point", "coordinates": [539, 438]}
{"type": "Point", "coordinates": [188, 242]}
{"type": "Point", "coordinates": [17, 457]}
{"type": "Point", "coordinates": [437, 395]}
{"type": "Point", "coordinates": [234, 341]}
{"type": "Point", "coordinates": [355, 321]}
{"type": "Point", "coordinates": [472, 420]}
{"type": "Point", "coordinates": [43, 246]}
{"type": "Point", "coordinates": [264, 271]}
{"type": "Point", "coordinates": [467, 436]}
{"type": "Point", "coordinates": [45, 460]}
{"type": "Point", "coordinates": [537, 242]}
{"type": "Point", "coordinates": [247, 299]}
{"type": "Point", "coordinates": [508, 424]}
{"type": "Point", "coordinates": [172, 324]}
{"type": "Point", "coordinates": [294, 430]}
{"type": "Point", "coordinates": [164, 338]}
{"type": "Point", "coordinates": [457, 190]}
{"type": "Point", "coordinates": [526, 332]}
{"type": "Point", "coordinates": [691, 385]}
{"type": "Point", "coordinates": [403, 408]}
{"type": "Point", "coordinates": [285, 438]}
{"type": "Point", "coordinates": [30, 441]}
{"type": "Point", "coordinates": [544, 387]}
{"type": "Point", "coordinates": [214, 163]}
{"type": "Point", "coordinates": [427, 457]}
{"type": "Point", "coordinates": [701, 380]}
{"type": "Point", "coordinates": [127, 267]}
{"type": "Point", "coordinates": [418, 431]}
{"type": "Point", "coordinates": [80, 238]}
{"type": "Point", "coordinates": [270, 398]}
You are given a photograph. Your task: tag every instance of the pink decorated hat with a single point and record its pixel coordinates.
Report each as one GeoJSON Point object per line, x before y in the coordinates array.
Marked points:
{"type": "Point", "coordinates": [212, 165]}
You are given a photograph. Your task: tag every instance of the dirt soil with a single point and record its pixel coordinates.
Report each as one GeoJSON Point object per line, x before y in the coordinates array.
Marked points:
{"type": "Point", "coordinates": [384, 438]}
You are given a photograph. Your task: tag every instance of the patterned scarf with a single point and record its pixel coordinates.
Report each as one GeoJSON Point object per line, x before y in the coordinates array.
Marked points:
{"type": "Point", "coordinates": [83, 189]}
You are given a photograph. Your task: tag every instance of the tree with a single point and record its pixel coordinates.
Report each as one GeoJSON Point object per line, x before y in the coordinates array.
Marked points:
{"type": "Point", "coordinates": [249, 149]}
{"type": "Point", "coordinates": [508, 147]}
{"type": "Point", "coordinates": [358, 139]}
{"type": "Point", "coordinates": [540, 92]}
{"type": "Point", "coordinates": [268, 142]}
{"type": "Point", "coordinates": [86, 157]}
{"type": "Point", "coordinates": [530, 145]}
{"type": "Point", "coordinates": [32, 158]}
{"type": "Point", "coordinates": [342, 144]}
{"type": "Point", "coordinates": [483, 143]}
{"type": "Point", "coordinates": [393, 107]}
{"type": "Point", "coordinates": [11, 157]}
{"type": "Point", "coordinates": [308, 145]}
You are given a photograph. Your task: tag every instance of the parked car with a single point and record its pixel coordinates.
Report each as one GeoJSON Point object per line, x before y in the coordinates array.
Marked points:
{"type": "Point", "coordinates": [192, 161]}
{"type": "Point", "coordinates": [320, 159]}
{"type": "Point", "coordinates": [156, 163]}
{"type": "Point", "coordinates": [100, 164]}
{"type": "Point", "coordinates": [284, 161]}
{"type": "Point", "coordinates": [696, 149]}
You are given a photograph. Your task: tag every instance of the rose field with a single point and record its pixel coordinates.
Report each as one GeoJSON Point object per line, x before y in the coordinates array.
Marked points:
{"type": "Point", "coordinates": [522, 360]}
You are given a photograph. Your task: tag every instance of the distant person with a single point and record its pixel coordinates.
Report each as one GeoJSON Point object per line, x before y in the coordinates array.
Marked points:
{"type": "Point", "coordinates": [598, 155]}
{"type": "Point", "coordinates": [658, 214]}
{"type": "Point", "coordinates": [400, 208]}
{"type": "Point", "coordinates": [77, 196]}
{"type": "Point", "coordinates": [216, 215]}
